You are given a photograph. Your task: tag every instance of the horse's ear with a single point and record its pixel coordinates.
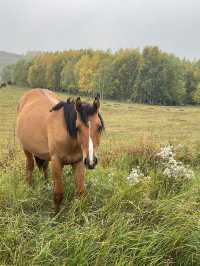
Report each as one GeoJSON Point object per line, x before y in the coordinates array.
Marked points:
{"type": "Point", "coordinates": [78, 103]}
{"type": "Point", "coordinates": [69, 100]}
{"type": "Point", "coordinates": [96, 102]}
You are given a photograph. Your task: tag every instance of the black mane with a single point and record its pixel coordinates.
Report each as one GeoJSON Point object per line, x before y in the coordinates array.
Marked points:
{"type": "Point", "coordinates": [70, 115]}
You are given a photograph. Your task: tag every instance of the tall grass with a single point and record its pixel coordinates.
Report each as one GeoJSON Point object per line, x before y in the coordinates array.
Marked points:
{"type": "Point", "coordinates": [118, 222]}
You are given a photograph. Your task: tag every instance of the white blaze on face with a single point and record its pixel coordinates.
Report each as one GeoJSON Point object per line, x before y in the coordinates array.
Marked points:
{"type": "Point", "coordinates": [91, 148]}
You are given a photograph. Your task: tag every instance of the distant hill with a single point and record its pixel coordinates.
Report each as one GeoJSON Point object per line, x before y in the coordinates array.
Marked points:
{"type": "Point", "coordinates": [8, 58]}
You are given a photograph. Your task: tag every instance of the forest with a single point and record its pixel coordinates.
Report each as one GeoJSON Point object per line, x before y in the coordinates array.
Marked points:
{"type": "Point", "coordinates": [149, 76]}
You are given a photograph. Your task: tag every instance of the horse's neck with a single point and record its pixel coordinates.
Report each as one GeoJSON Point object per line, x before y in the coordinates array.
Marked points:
{"type": "Point", "coordinates": [52, 99]}
{"type": "Point", "coordinates": [73, 153]}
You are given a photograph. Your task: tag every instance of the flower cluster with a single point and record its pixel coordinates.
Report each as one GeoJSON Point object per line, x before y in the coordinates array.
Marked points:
{"type": "Point", "coordinates": [136, 176]}
{"type": "Point", "coordinates": [174, 169]}
{"type": "Point", "coordinates": [166, 152]}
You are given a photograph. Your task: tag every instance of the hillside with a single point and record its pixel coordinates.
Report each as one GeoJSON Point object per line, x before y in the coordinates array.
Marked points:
{"type": "Point", "coordinates": [8, 58]}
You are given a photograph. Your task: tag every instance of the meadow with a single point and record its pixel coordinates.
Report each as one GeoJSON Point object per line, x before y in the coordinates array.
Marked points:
{"type": "Point", "coordinates": [134, 213]}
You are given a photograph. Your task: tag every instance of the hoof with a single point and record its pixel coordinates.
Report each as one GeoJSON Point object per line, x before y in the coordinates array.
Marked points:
{"type": "Point", "coordinates": [81, 194]}
{"type": "Point", "coordinates": [58, 197]}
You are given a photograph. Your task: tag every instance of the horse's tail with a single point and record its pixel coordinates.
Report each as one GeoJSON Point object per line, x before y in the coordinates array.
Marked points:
{"type": "Point", "coordinates": [40, 163]}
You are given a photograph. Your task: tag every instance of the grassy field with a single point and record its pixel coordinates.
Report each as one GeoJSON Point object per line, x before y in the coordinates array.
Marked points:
{"type": "Point", "coordinates": [126, 123]}
{"type": "Point", "coordinates": [148, 217]}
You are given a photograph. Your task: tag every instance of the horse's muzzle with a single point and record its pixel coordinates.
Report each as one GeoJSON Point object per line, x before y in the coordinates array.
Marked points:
{"type": "Point", "coordinates": [90, 165]}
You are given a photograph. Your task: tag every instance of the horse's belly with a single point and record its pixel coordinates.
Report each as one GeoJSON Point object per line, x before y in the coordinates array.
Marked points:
{"type": "Point", "coordinates": [38, 150]}
{"type": "Point", "coordinates": [31, 131]}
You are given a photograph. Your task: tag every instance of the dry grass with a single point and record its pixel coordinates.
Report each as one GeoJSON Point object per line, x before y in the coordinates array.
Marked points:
{"type": "Point", "coordinates": [125, 123]}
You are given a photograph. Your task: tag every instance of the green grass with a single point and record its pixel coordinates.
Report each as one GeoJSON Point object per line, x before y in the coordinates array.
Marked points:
{"type": "Point", "coordinates": [117, 223]}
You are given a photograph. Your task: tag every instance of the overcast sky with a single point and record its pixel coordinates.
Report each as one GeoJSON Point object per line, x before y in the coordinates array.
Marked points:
{"type": "Point", "coordinates": [27, 25]}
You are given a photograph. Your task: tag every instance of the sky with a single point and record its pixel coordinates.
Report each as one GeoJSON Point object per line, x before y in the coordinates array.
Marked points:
{"type": "Point", "coordinates": [51, 25]}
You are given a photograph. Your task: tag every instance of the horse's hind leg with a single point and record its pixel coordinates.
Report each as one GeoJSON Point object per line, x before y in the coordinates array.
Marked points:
{"type": "Point", "coordinates": [45, 169]}
{"type": "Point", "coordinates": [29, 166]}
{"type": "Point", "coordinates": [42, 165]}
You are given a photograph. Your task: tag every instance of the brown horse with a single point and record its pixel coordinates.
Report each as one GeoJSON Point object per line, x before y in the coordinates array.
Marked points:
{"type": "Point", "coordinates": [65, 133]}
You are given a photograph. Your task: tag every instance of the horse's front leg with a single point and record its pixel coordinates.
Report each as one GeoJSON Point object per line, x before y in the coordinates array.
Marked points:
{"type": "Point", "coordinates": [79, 173]}
{"type": "Point", "coordinates": [58, 190]}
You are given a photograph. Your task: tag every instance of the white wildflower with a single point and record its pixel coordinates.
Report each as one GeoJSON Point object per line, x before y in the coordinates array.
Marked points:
{"type": "Point", "coordinates": [166, 152]}
{"type": "Point", "coordinates": [135, 175]}
{"type": "Point", "coordinates": [110, 177]}
{"type": "Point", "coordinates": [178, 170]}
{"type": "Point", "coordinates": [174, 169]}
{"type": "Point", "coordinates": [49, 187]}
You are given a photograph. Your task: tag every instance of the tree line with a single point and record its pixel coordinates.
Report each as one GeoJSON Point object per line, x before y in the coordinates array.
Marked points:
{"type": "Point", "coordinates": [149, 76]}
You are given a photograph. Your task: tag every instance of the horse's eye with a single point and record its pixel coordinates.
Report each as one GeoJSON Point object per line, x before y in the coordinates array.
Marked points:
{"type": "Point", "coordinates": [99, 128]}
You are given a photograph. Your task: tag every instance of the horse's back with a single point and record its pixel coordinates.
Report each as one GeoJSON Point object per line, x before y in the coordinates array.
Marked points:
{"type": "Point", "coordinates": [37, 96]}
{"type": "Point", "coordinates": [32, 119]}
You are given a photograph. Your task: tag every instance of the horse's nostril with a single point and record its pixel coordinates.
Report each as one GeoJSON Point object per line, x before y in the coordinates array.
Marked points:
{"type": "Point", "coordinates": [86, 162]}
{"type": "Point", "coordinates": [95, 160]}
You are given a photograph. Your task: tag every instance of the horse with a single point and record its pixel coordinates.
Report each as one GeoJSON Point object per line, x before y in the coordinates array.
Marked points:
{"type": "Point", "coordinates": [63, 132]}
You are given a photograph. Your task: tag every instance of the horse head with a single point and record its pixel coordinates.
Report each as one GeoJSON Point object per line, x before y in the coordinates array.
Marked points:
{"type": "Point", "coordinates": [85, 125]}
{"type": "Point", "coordinates": [89, 126]}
